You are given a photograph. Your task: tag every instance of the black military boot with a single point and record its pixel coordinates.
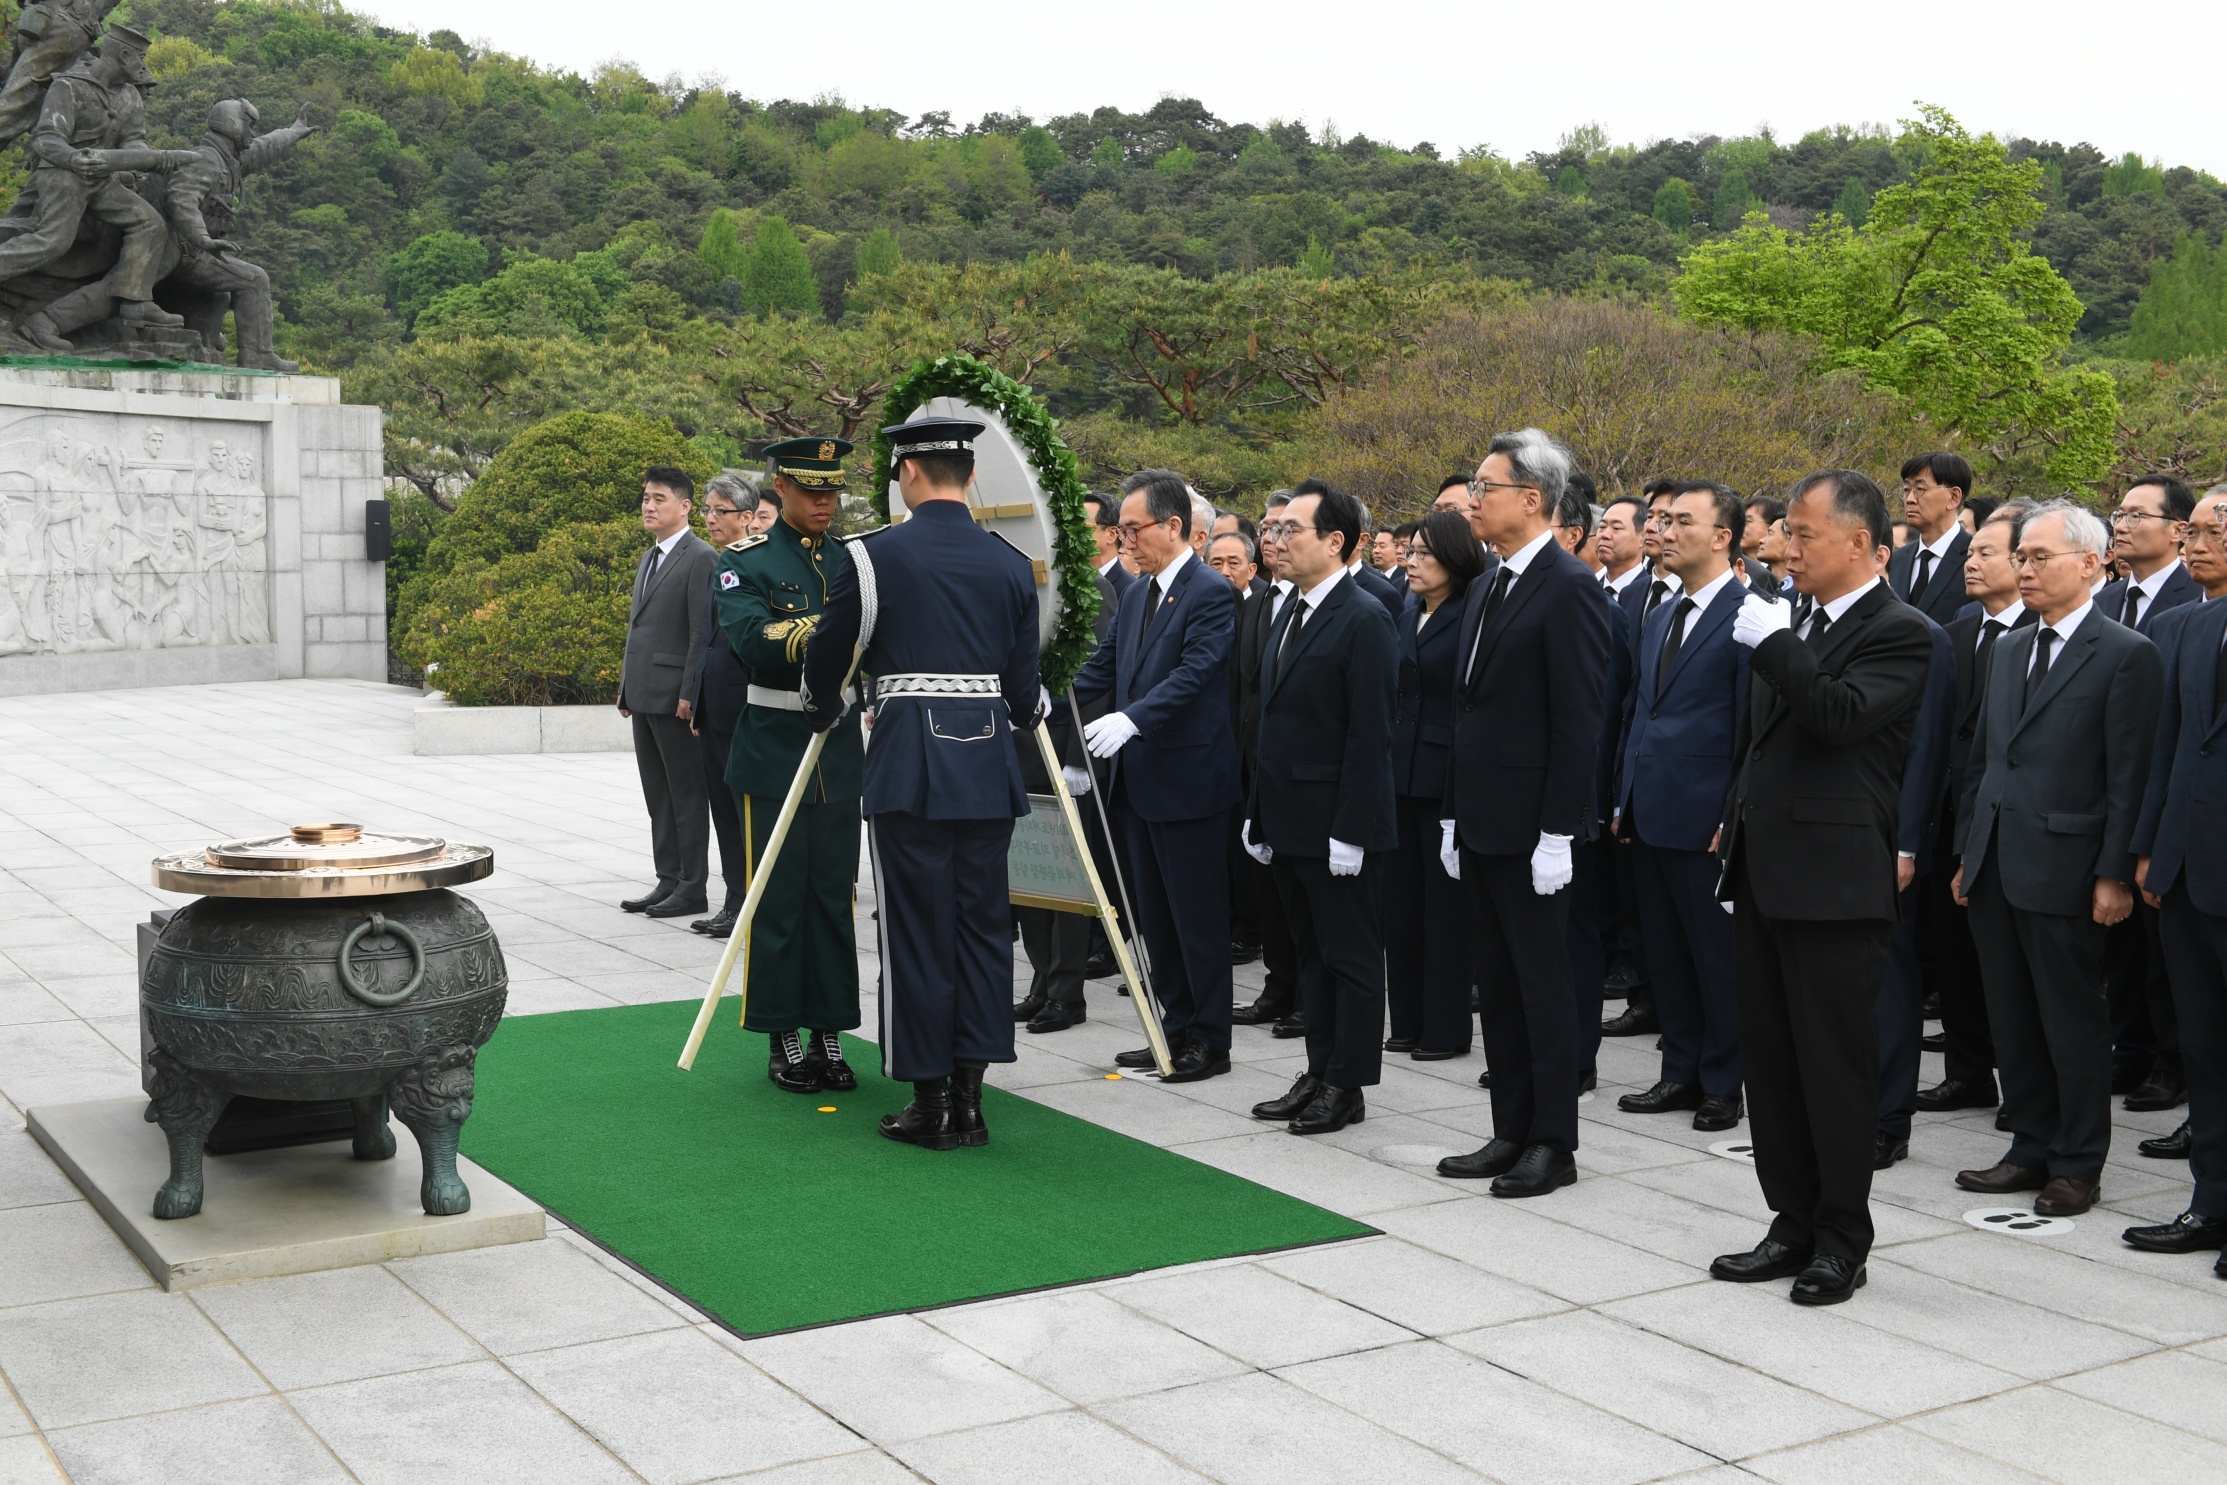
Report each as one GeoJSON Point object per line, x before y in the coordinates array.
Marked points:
{"type": "Point", "coordinates": [790, 1069]}
{"type": "Point", "coordinates": [966, 1103]}
{"type": "Point", "coordinates": [927, 1120]}
{"type": "Point", "coordinates": [827, 1059]}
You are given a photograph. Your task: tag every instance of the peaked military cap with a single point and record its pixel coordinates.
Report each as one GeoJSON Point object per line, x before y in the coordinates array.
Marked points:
{"type": "Point", "coordinates": [933, 436]}
{"type": "Point", "coordinates": [126, 38]}
{"type": "Point", "coordinates": [814, 463]}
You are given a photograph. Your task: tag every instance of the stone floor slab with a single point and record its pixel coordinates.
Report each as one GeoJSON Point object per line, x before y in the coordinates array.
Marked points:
{"type": "Point", "coordinates": [310, 1330]}
{"type": "Point", "coordinates": [117, 1355]}
{"type": "Point", "coordinates": [1016, 1453]}
{"type": "Point", "coordinates": [473, 1422]}
{"type": "Point", "coordinates": [896, 1378]}
{"type": "Point", "coordinates": [1084, 1345]}
{"type": "Point", "coordinates": [257, 1442]}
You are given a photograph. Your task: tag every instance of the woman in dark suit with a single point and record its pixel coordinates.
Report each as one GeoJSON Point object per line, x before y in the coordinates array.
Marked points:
{"type": "Point", "coordinates": [1426, 947]}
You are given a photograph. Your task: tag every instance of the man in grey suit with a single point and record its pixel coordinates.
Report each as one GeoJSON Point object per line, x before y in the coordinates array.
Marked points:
{"type": "Point", "coordinates": [2046, 831]}
{"type": "Point", "coordinates": [664, 652]}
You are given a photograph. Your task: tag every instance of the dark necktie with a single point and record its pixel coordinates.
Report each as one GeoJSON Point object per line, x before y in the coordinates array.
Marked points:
{"type": "Point", "coordinates": [1151, 607]}
{"type": "Point", "coordinates": [1925, 573]}
{"type": "Point", "coordinates": [1822, 622]}
{"type": "Point", "coordinates": [1298, 605]}
{"type": "Point", "coordinates": [1493, 600]}
{"type": "Point", "coordinates": [2044, 642]}
{"type": "Point", "coordinates": [1657, 591]}
{"type": "Point", "coordinates": [2219, 685]}
{"type": "Point", "coordinates": [2132, 613]}
{"type": "Point", "coordinates": [649, 573]}
{"type": "Point", "coordinates": [1990, 632]}
{"type": "Point", "coordinates": [1676, 638]}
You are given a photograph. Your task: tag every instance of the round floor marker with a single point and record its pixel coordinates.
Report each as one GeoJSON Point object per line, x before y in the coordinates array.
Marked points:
{"type": "Point", "coordinates": [1740, 1150]}
{"type": "Point", "coordinates": [2022, 1220]}
{"type": "Point", "coordinates": [1412, 1157]}
{"type": "Point", "coordinates": [1586, 1097]}
{"type": "Point", "coordinates": [827, 1108]}
{"type": "Point", "coordinates": [1113, 1077]}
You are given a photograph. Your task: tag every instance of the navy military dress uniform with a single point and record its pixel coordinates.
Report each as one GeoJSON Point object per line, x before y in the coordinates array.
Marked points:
{"type": "Point", "coordinates": [803, 967]}
{"type": "Point", "coordinates": [952, 651]}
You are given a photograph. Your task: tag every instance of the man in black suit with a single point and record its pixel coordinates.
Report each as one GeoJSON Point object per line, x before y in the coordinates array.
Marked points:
{"type": "Point", "coordinates": [1808, 845]}
{"type": "Point", "coordinates": [2147, 532]}
{"type": "Point", "coordinates": [2046, 826]}
{"type": "Point", "coordinates": [1321, 812]}
{"type": "Point", "coordinates": [2181, 849]}
{"type": "Point", "coordinates": [1372, 582]}
{"type": "Point", "coordinates": [1528, 696]}
{"type": "Point", "coordinates": [664, 647]}
{"type": "Point", "coordinates": [1944, 926]}
{"type": "Point", "coordinates": [1278, 1002]}
{"type": "Point", "coordinates": [1625, 578]}
{"type": "Point", "coordinates": [722, 687]}
{"type": "Point", "coordinates": [1105, 529]}
{"type": "Point", "coordinates": [1165, 666]}
{"type": "Point", "coordinates": [1928, 572]}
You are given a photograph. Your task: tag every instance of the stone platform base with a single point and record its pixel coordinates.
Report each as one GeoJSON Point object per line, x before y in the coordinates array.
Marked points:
{"type": "Point", "coordinates": [269, 1212]}
{"type": "Point", "coordinates": [439, 727]}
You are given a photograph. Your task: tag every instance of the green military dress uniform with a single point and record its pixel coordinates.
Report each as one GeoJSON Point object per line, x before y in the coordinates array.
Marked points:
{"type": "Point", "coordinates": [803, 952]}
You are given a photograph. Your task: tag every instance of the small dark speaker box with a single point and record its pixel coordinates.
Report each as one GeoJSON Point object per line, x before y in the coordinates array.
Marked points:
{"type": "Point", "coordinates": [378, 531]}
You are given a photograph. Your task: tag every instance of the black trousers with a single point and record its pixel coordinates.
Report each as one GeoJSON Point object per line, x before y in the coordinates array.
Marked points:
{"type": "Point", "coordinates": [946, 943]}
{"type": "Point", "coordinates": [1341, 965]}
{"type": "Point", "coordinates": [1181, 891]}
{"type": "Point", "coordinates": [1806, 990]}
{"type": "Point", "coordinates": [1057, 944]}
{"type": "Point", "coordinates": [726, 815]}
{"type": "Point", "coordinates": [2052, 1020]}
{"type": "Point", "coordinates": [1279, 954]}
{"type": "Point", "coordinates": [2196, 949]}
{"type": "Point", "coordinates": [2145, 1033]}
{"type": "Point", "coordinates": [1695, 994]}
{"type": "Point", "coordinates": [1898, 1019]}
{"type": "Point", "coordinates": [1529, 1020]}
{"type": "Point", "coordinates": [1426, 948]}
{"type": "Point", "coordinates": [672, 770]}
{"type": "Point", "coordinates": [1619, 893]}
{"type": "Point", "coordinates": [1952, 966]}
{"type": "Point", "coordinates": [1587, 946]}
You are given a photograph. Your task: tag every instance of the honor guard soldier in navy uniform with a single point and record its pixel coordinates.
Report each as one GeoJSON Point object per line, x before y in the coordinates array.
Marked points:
{"type": "Point", "coordinates": [771, 590]}
{"type": "Point", "coordinates": [947, 616]}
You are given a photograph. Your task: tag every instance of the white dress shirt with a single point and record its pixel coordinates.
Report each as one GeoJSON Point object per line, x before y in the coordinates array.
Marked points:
{"type": "Point", "coordinates": [1837, 607]}
{"type": "Point", "coordinates": [2151, 586]}
{"type": "Point", "coordinates": [1617, 585]}
{"type": "Point", "coordinates": [1278, 591]}
{"type": "Point", "coordinates": [1939, 547]}
{"type": "Point", "coordinates": [2063, 629]}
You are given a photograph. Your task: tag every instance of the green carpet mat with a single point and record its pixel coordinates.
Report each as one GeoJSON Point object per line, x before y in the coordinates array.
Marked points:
{"type": "Point", "coordinates": [762, 1210]}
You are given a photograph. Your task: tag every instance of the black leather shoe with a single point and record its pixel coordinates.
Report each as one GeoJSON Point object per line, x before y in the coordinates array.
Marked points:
{"type": "Point", "coordinates": [2174, 1146]}
{"type": "Point", "coordinates": [2219, 1269]}
{"type": "Point", "coordinates": [826, 1058]}
{"type": "Point", "coordinates": [1260, 1012]}
{"type": "Point", "coordinates": [1827, 1281]}
{"type": "Point", "coordinates": [1769, 1259]}
{"type": "Point", "coordinates": [1301, 1093]}
{"type": "Point", "coordinates": [1241, 952]}
{"type": "Point", "coordinates": [1333, 1109]}
{"type": "Point", "coordinates": [927, 1121]}
{"type": "Point", "coordinates": [1030, 1006]}
{"type": "Point", "coordinates": [1636, 1019]}
{"type": "Point", "coordinates": [1956, 1093]}
{"type": "Point", "coordinates": [647, 900]}
{"type": "Point", "coordinates": [1497, 1158]}
{"type": "Point", "coordinates": [2164, 1090]}
{"type": "Point", "coordinates": [1886, 1150]}
{"type": "Point", "coordinates": [1622, 974]}
{"type": "Point", "coordinates": [1058, 1016]}
{"type": "Point", "coordinates": [1399, 1044]}
{"type": "Point", "coordinates": [1718, 1112]}
{"type": "Point", "coordinates": [1937, 1041]}
{"type": "Point", "coordinates": [1588, 1080]}
{"type": "Point", "coordinates": [789, 1066]}
{"type": "Point", "coordinates": [1663, 1098]}
{"type": "Point", "coordinates": [1142, 1057]}
{"type": "Point", "coordinates": [718, 925]}
{"type": "Point", "coordinates": [1929, 1009]}
{"type": "Point", "coordinates": [2187, 1233]}
{"type": "Point", "coordinates": [2001, 1179]}
{"type": "Point", "coordinates": [674, 907]}
{"type": "Point", "coordinates": [1484, 1079]}
{"type": "Point", "coordinates": [1196, 1063]}
{"type": "Point", "coordinates": [1437, 1054]}
{"type": "Point", "coordinates": [966, 1103]}
{"type": "Point", "coordinates": [1287, 1027]}
{"type": "Point", "coordinates": [1100, 966]}
{"type": "Point", "coordinates": [1539, 1170]}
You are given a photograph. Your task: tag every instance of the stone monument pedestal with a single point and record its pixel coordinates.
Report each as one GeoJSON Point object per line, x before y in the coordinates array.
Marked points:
{"type": "Point", "coordinates": [168, 527]}
{"type": "Point", "coordinates": [268, 1212]}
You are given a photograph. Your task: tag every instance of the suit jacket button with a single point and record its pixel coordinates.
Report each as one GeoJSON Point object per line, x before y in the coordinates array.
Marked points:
{"type": "Point", "coordinates": [1468, 708]}
{"type": "Point", "coordinates": [1652, 715]}
{"type": "Point", "coordinates": [2014, 763]}
{"type": "Point", "coordinates": [1756, 756]}
{"type": "Point", "coordinates": [2203, 752]}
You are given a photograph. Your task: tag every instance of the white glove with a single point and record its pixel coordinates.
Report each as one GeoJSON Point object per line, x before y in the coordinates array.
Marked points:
{"type": "Point", "coordinates": [1551, 867]}
{"type": "Point", "coordinates": [1759, 618]}
{"type": "Point", "coordinates": [1345, 860]}
{"type": "Point", "coordinates": [1106, 736]}
{"type": "Point", "coordinates": [1449, 854]}
{"type": "Point", "coordinates": [1078, 781]}
{"type": "Point", "coordinates": [1043, 703]}
{"type": "Point", "coordinates": [1262, 854]}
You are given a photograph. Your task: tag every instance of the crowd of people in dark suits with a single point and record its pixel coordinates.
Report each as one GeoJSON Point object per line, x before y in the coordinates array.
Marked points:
{"type": "Point", "coordinates": [1790, 776]}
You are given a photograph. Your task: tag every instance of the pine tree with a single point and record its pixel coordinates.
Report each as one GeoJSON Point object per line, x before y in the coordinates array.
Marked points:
{"type": "Point", "coordinates": [720, 249]}
{"type": "Point", "coordinates": [1674, 207]}
{"type": "Point", "coordinates": [878, 253]}
{"type": "Point", "coordinates": [2183, 310]}
{"type": "Point", "coordinates": [1040, 152]}
{"type": "Point", "coordinates": [1317, 261]}
{"type": "Point", "coordinates": [1854, 204]}
{"type": "Point", "coordinates": [779, 278]}
{"type": "Point", "coordinates": [1570, 182]}
{"type": "Point", "coordinates": [1734, 200]}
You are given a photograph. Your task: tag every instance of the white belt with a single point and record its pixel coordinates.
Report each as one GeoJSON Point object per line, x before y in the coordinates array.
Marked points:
{"type": "Point", "coordinates": [786, 701]}
{"type": "Point", "coordinates": [912, 684]}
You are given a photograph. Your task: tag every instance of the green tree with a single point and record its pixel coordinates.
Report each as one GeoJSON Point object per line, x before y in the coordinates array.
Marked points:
{"type": "Point", "coordinates": [1571, 182]}
{"type": "Point", "coordinates": [1107, 153]}
{"type": "Point", "coordinates": [1674, 207]}
{"type": "Point", "coordinates": [1733, 201]}
{"type": "Point", "coordinates": [2131, 175]}
{"type": "Point", "coordinates": [779, 277]}
{"type": "Point", "coordinates": [878, 253]}
{"type": "Point", "coordinates": [1040, 152]}
{"type": "Point", "coordinates": [1854, 204]}
{"type": "Point", "coordinates": [1938, 298]}
{"type": "Point", "coordinates": [433, 263]}
{"type": "Point", "coordinates": [1317, 261]}
{"type": "Point", "coordinates": [720, 248]}
{"type": "Point", "coordinates": [2183, 310]}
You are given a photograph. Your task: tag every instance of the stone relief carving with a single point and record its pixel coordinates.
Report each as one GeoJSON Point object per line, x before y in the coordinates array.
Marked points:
{"type": "Point", "coordinates": [119, 534]}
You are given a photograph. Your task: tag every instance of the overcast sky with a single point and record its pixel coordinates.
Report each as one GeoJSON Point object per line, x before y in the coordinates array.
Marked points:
{"type": "Point", "coordinates": [1454, 72]}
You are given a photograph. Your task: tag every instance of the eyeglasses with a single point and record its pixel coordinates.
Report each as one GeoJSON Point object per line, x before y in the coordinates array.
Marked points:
{"type": "Point", "coordinates": [1477, 488]}
{"type": "Point", "coordinates": [1280, 530]}
{"type": "Point", "coordinates": [1127, 530]}
{"type": "Point", "coordinates": [2122, 515]}
{"type": "Point", "coordinates": [2038, 560]}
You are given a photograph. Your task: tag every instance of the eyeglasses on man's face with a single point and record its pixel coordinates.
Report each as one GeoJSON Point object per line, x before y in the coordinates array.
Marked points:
{"type": "Point", "coordinates": [1278, 530]}
{"type": "Point", "coordinates": [1127, 530]}
{"type": "Point", "coordinates": [2038, 560]}
{"type": "Point", "coordinates": [1477, 488]}
{"type": "Point", "coordinates": [2126, 513]}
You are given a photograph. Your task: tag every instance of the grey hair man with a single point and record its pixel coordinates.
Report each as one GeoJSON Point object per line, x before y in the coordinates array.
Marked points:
{"type": "Point", "coordinates": [1203, 516]}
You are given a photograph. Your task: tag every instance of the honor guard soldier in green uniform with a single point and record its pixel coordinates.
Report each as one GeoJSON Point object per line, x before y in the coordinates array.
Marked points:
{"type": "Point", "coordinates": [802, 971]}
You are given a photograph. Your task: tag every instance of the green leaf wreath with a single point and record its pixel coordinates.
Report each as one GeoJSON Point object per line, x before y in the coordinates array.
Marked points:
{"type": "Point", "coordinates": [1073, 549]}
